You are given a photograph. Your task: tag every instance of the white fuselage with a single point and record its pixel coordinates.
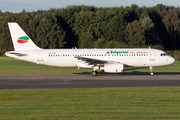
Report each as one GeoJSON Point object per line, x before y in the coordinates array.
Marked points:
{"type": "Point", "coordinates": [66, 57]}
{"type": "Point", "coordinates": [107, 60]}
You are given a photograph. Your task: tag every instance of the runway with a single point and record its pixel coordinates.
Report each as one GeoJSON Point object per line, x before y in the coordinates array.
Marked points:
{"type": "Point", "coordinates": [55, 81]}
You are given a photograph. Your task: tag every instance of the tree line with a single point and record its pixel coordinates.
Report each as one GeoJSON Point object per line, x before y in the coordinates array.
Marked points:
{"type": "Point", "coordinates": [92, 27]}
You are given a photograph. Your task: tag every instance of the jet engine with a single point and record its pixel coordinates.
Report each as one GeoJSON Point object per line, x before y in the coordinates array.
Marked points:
{"type": "Point", "coordinates": [113, 68]}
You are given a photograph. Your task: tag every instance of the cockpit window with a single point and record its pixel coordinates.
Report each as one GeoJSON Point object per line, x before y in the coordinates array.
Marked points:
{"type": "Point", "coordinates": [163, 54]}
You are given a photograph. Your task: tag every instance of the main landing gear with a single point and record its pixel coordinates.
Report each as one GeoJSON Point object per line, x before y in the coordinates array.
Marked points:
{"type": "Point", "coordinates": [151, 71]}
{"type": "Point", "coordinates": [94, 72]}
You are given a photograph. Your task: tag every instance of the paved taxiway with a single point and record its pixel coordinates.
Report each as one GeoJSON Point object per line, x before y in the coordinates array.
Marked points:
{"type": "Point", "coordinates": [46, 81]}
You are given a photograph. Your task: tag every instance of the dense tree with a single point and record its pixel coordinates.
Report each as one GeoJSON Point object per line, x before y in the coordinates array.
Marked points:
{"type": "Point", "coordinates": [115, 29]}
{"type": "Point", "coordinates": [47, 32]}
{"type": "Point", "coordinates": [5, 39]}
{"type": "Point", "coordinates": [151, 34]}
{"type": "Point", "coordinates": [172, 24]}
{"type": "Point", "coordinates": [92, 27]}
{"type": "Point", "coordinates": [135, 34]}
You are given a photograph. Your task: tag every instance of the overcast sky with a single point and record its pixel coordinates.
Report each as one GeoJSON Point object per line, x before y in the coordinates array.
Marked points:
{"type": "Point", "coordinates": [34, 5]}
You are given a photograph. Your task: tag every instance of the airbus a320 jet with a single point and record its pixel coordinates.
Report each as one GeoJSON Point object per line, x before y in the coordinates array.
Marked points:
{"type": "Point", "coordinates": [111, 60]}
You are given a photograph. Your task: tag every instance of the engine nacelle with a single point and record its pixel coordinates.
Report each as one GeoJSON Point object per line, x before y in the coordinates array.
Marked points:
{"type": "Point", "coordinates": [113, 68]}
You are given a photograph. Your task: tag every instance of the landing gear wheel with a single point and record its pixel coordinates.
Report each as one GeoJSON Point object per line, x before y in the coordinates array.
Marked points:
{"type": "Point", "coordinates": [94, 73]}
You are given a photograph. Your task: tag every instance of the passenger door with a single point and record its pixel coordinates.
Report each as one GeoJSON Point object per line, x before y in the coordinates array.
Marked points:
{"type": "Point", "coordinates": [151, 55]}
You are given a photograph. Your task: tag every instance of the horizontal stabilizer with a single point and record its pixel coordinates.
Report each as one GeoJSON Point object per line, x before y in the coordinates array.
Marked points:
{"type": "Point", "coordinates": [18, 54]}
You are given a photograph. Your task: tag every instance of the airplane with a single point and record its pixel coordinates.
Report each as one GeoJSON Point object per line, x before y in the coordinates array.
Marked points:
{"type": "Point", "coordinates": [110, 60]}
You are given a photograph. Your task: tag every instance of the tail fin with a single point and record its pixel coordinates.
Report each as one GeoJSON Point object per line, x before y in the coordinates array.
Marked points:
{"type": "Point", "coordinates": [21, 40]}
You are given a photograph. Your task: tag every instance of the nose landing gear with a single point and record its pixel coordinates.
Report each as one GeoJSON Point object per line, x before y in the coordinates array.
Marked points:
{"type": "Point", "coordinates": [151, 70]}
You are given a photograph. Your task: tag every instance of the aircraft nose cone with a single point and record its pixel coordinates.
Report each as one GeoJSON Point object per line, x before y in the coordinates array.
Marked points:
{"type": "Point", "coordinates": [172, 60]}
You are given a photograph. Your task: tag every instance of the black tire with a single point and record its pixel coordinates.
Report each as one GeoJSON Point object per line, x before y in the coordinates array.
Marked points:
{"type": "Point", "coordinates": [94, 73]}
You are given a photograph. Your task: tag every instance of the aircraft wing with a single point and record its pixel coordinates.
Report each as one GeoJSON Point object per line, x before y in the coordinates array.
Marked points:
{"type": "Point", "coordinates": [91, 61]}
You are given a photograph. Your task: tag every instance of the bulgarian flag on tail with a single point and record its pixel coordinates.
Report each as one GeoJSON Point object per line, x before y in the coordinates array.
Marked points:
{"type": "Point", "coordinates": [23, 39]}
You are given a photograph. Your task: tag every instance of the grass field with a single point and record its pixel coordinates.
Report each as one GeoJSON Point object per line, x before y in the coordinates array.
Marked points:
{"type": "Point", "coordinates": [91, 104]}
{"type": "Point", "coordinates": [12, 66]}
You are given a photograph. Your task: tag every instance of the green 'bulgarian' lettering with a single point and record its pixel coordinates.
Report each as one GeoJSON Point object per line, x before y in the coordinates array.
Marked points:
{"type": "Point", "coordinates": [118, 52]}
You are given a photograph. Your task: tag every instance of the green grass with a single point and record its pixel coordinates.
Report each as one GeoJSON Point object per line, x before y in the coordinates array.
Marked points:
{"type": "Point", "coordinates": [12, 66]}
{"type": "Point", "coordinates": [90, 104]}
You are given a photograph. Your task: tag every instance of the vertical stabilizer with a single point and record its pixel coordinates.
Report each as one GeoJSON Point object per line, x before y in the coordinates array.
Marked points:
{"type": "Point", "coordinates": [21, 41]}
